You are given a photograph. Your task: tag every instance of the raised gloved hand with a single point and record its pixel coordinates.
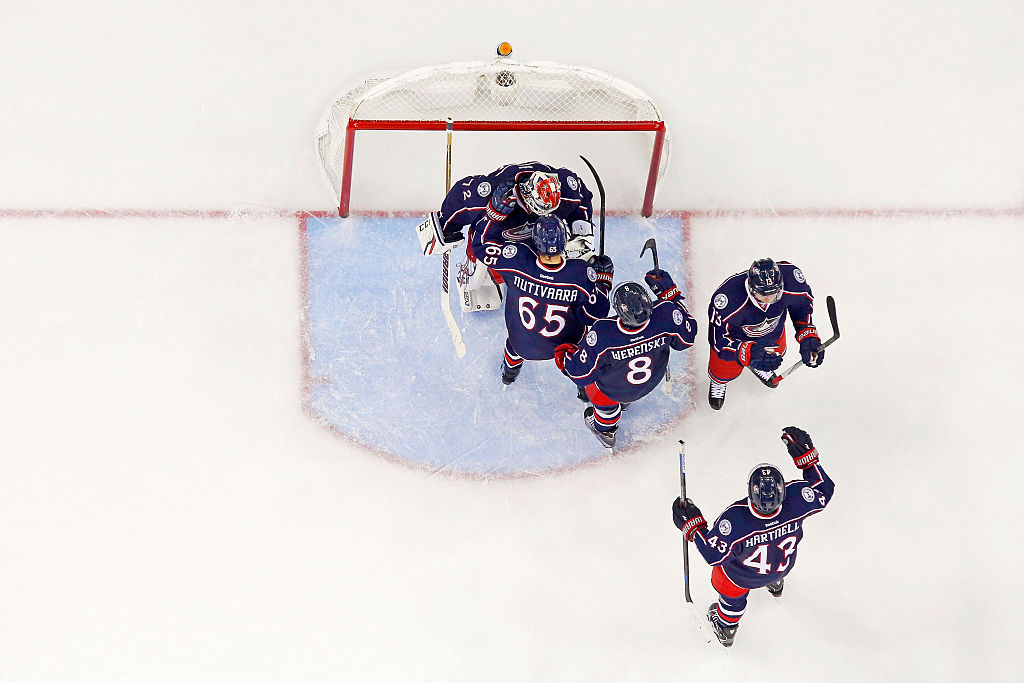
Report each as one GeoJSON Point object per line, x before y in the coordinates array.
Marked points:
{"type": "Point", "coordinates": [688, 518]}
{"type": "Point", "coordinates": [758, 356]}
{"type": "Point", "coordinates": [811, 352]}
{"type": "Point", "coordinates": [561, 351]}
{"type": "Point", "coordinates": [602, 263]}
{"type": "Point", "coordinates": [581, 240]}
{"type": "Point", "coordinates": [503, 201]}
{"type": "Point", "coordinates": [662, 285]}
{"type": "Point", "coordinates": [801, 449]}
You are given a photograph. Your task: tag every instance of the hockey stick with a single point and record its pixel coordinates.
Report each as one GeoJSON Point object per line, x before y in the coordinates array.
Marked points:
{"type": "Point", "coordinates": [446, 302]}
{"type": "Point", "coordinates": [830, 304]}
{"type": "Point", "coordinates": [600, 191]}
{"type": "Point", "coordinates": [653, 246]}
{"type": "Point", "coordinates": [682, 496]}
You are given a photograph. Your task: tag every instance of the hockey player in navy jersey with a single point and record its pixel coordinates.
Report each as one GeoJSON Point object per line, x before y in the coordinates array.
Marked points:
{"type": "Point", "coordinates": [753, 543]}
{"type": "Point", "coordinates": [623, 359]}
{"type": "Point", "coordinates": [748, 325]}
{"type": "Point", "coordinates": [550, 299]}
{"type": "Point", "coordinates": [514, 197]}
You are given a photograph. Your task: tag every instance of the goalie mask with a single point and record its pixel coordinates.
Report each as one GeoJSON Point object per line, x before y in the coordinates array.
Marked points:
{"type": "Point", "coordinates": [540, 192]}
{"type": "Point", "coordinates": [549, 234]}
{"type": "Point", "coordinates": [766, 489]}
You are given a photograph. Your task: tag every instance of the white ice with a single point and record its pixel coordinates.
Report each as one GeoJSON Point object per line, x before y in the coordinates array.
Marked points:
{"type": "Point", "coordinates": [169, 513]}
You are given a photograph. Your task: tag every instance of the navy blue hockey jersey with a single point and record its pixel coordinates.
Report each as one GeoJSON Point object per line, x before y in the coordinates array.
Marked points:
{"type": "Point", "coordinates": [736, 317]}
{"type": "Point", "coordinates": [466, 203]}
{"type": "Point", "coordinates": [628, 364]}
{"type": "Point", "coordinates": [544, 305]}
{"type": "Point", "coordinates": [754, 550]}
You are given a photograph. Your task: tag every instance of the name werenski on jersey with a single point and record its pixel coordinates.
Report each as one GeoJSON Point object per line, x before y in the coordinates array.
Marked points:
{"type": "Point", "coordinates": [550, 293]}
{"type": "Point", "coordinates": [772, 534]}
{"type": "Point", "coordinates": [638, 349]}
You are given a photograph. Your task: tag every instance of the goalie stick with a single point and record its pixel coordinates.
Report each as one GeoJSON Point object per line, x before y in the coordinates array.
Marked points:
{"type": "Point", "coordinates": [830, 304]}
{"type": "Point", "coordinates": [653, 246]}
{"type": "Point", "coordinates": [446, 302]}
{"type": "Point", "coordinates": [686, 544]}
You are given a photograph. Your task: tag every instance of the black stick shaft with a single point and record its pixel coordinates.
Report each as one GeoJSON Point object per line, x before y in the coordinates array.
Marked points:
{"type": "Point", "coordinates": [686, 545]}
{"type": "Point", "coordinates": [600, 191]}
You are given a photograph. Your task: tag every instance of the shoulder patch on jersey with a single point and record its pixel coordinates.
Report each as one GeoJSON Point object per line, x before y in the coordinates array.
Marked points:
{"type": "Point", "coordinates": [808, 494]}
{"type": "Point", "coordinates": [721, 301]}
{"type": "Point", "coordinates": [677, 317]}
{"type": "Point", "coordinates": [483, 189]}
{"type": "Point", "coordinates": [591, 274]}
{"type": "Point", "coordinates": [572, 182]}
{"type": "Point", "coordinates": [591, 338]}
{"type": "Point", "coordinates": [799, 275]}
{"type": "Point", "coordinates": [509, 251]}
{"type": "Point", "coordinates": [725, 527]}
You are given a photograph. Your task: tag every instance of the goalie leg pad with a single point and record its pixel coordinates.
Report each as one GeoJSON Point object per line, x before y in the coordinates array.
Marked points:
{"type": "Point", "coordinates": [477, 291]}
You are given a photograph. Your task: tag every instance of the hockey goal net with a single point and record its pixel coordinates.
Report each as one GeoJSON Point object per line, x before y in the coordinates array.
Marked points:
{"type": "Point", "coordinates": [498, 95]}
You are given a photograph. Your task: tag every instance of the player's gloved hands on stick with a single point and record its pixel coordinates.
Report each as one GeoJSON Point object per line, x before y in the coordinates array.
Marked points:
{"type": "Point", "coordinates": [688, 518]}
{"type": "Point", "coordinates": [503, 201]}
{"type": "Point", "coordinates": [602, 263]}
{"type": "Point", "coordinates": [561, 351]}
{"type": "Point", "coordinates": [758, 357]}
{"type": "Point", "coordinates": [662, 285]}
{"type": "Point", "coordinates": [800, 447]}
{"type": "Point", "coordinates": [811, 352]}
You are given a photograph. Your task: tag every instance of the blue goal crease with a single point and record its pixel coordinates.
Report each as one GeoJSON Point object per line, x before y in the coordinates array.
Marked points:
{"type": "Point", "coordinates": [388, 376]}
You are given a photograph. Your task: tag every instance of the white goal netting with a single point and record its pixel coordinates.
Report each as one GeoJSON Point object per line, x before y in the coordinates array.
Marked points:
{"type": "Point", "coordinates": [501, 94]}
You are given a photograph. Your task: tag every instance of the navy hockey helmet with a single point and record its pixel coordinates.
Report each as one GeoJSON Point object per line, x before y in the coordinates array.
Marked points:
{"type": "Point", "coordinates": [631, 302]}
{"type": "Point", "coordinates": [764, 277]}
{"type": "Point", "coordinates": [540, 192]}
{"type": "Point", "coordinates": [549, 235]}
{"type": "Point", "coordinates": [766, 489]}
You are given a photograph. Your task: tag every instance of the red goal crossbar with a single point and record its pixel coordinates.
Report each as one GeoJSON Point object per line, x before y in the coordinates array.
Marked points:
{"type": "Point", "coordinates": [657, 127]}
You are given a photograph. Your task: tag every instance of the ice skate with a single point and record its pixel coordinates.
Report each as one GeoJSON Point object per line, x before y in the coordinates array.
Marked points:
{"type": "Point", "coordinates": [607, 439]}
{"type": "Point", "coordinates": [509, 374]}
{"type": "Point", "coordinates": [776, 588]}
{"type": "Point", "coordinates": [725, 634]}
{"type": "Point", "coordinates": [716, 395]}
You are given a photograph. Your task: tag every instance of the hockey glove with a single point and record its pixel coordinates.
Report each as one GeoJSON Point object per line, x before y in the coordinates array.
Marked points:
{"type": "Point", "coordinates": [811, 352]}
{"type": "Point", "coordinates": [605, 270]}
{"type": "Point", "coordinates": [801, 449]}
{"type": "Point", "coordinates": [662, 285]}
{"type": "Point", "coordinates": [561, 351]}
{"type": "Point", "coordinates": [503, 202]}
{"type": "Point", "coordinates": [688, 518]}
{"type": "Point", "coordinates": [758, 357]}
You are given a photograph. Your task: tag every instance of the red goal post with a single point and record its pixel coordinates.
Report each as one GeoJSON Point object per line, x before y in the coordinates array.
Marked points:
{"type": "Point", "coordinates": [498, 95]}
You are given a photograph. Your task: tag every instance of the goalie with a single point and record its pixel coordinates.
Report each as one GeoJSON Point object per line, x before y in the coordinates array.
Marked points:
{"type": "Point", "coordinates": [511, 199]}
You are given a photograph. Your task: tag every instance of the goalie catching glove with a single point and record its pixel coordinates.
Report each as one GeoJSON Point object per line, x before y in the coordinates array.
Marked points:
{"type": "Point", "coordinates": [432, 239]}
{"type": "Point", "coordinates": [581, 240]}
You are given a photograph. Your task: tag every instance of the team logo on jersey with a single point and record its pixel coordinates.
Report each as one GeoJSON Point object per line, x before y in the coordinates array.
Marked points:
{"type": "Point", "coordinates": [677, 317]}
{"type": "Point", "coordinates": [591, 338]}
{"type": "Point", "coordinates": [763, 328]}
{"type": "Point", "coordinates": [808, 494]}
{"type": "Point", "coordinates": [591, 274]}
{"type": "Point", "coordinates": [725, 527]}
{"type": "Point", "coordinates": [519, 234]}
{"type": "Point", "coordinates": [721, 301]}
{"type": "Point", "coordinates": [509, 251]}
{"type": "Point", "coordinates": [572, 182]}
{"type": "Point", "coordinates": [799, 275]}
{"type": "Point", "coordinates": [483, 189]}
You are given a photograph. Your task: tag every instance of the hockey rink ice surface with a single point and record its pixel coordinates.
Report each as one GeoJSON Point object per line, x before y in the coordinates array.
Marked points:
{"type": "Point", "coordinates": [384, 372]}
